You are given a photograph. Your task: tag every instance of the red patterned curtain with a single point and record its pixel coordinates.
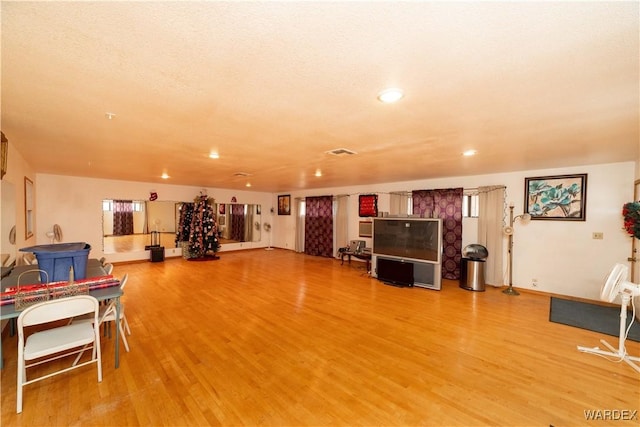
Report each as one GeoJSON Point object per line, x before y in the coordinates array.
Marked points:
{"type": "Point", "coordinates": [318, 226]}
{"type": "Point", "coordinates": [122, 217]}
{"type": "Point", "coordinates": [445, 204]}
{"type": "Point", "coordinates": [237, 222]}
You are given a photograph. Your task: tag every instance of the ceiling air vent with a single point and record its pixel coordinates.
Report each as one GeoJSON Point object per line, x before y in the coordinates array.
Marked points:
{"type": "Point", "coordinates": [341, 152]}
{"type": "Point", "coordinates": [241, 174]}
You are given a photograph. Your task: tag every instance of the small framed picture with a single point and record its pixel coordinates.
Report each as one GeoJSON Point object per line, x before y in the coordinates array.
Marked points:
{"type": "Point", "coordinates": [284, 205]}
{"type": "Point", "coordinates": [560, 197]}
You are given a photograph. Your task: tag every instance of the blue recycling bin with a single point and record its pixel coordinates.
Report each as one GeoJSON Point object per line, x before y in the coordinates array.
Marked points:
{"type": "Point", "coordinates": [56, 259]}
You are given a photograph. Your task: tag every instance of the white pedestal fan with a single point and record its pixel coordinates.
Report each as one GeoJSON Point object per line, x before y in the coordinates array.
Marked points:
{"type": "Point", "coordinates": [56, 234]}
{"type": "Point", "coordinates": [617, 284]}
{"type": "Point", "coordinates": [267, 227]}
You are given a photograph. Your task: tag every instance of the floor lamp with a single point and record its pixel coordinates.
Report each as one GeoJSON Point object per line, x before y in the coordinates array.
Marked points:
{"type": "Point", "coordinates": [509, 232]}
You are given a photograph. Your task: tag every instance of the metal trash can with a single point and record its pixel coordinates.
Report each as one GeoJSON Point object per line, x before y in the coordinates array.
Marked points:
{"type": "Point", "coordinates": [472, 267]}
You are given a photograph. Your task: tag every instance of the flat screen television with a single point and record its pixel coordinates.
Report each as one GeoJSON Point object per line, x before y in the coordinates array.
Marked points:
{"type": "Point", "coordinates": [418, 239]}
{"type": "Point", "coordinates": [394, 272]}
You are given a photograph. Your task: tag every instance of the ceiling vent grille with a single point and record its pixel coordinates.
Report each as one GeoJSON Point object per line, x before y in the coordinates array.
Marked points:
{"type": "Point", "coordinates": [242, 174]}
{"type": "Point", "coordinates": [341, 152]}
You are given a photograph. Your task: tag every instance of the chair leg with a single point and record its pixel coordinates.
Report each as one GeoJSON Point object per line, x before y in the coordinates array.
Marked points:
{"type": "Point", "coordinates": [75, 362]}
{"type": "Point", "coordinates": [124, 338]}
{"type": "Point", "coordinates": [97, 354]}
{"type": "Point", "coordinates": [126, 325]}
{"type": "Point", "coordinates": [22, 375]}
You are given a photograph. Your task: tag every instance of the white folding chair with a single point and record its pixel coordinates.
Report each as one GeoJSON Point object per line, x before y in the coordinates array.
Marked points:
{"type": "Point", "coordinates": [108, 314]}
{"type": "Point", "coordinates": [108, 268]}
{"type": "Point", "coordinates": [29, 259]}
{"type": "Point", "coordinates": [61, 341]}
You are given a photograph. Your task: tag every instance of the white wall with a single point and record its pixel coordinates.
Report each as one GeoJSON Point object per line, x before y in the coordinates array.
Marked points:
{"type": "Point", "coordinates": [75, 203]}
{"type": "Point", "coordinates": [561, 256]}
{"type": "Point", "coordinates": [17, 170]}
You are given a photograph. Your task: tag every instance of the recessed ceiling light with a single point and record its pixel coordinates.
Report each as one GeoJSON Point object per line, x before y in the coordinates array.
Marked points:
{"type": "Point", "coordinates": [248, 184]}
{"type": "Point", "coordinates": [165, 176]}
{"type": "Point", "coordinates": [469, 153]}
{"type": "Point", "coordinates": [389, 96]}
{"type": "Point", "coordinates": [109, 116]}
{"type": "Point", "coordinates": [214, 155]}
{"type": "Point", "coordinates": [318, 172]}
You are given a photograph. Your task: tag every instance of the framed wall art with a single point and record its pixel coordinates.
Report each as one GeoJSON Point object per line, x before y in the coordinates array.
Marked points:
{"type": "Point", "coordinates": [29, 214]}
{"type": "Point", "coordinates": [368, 205]}
{"type": "Point", "coordinates": [559, 197]}
{"type": "Point", "coordinates": [4, 153]}
{"type": "Point", "coordinates": [284, 205]}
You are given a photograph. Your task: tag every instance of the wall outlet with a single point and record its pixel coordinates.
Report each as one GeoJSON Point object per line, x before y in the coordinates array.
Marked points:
{"type": "Point", "coordinates": [534, 283]}
{"type": "Point", "coordinates": [598, 235]}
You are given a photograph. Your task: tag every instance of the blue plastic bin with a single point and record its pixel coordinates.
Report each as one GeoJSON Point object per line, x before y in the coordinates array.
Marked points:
{"type": "Point", "coordinates": [56, 259]}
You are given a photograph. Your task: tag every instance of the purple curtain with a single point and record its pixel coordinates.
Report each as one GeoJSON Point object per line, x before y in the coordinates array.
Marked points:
{"type": "Point", "coordinates": [237, 222]}
{"type": "Point", "coordinates": [122, 217]}
{"type": "Point", "coordinates": [445, 204]}
{"type": "Point", "coordinates": [318, 226]}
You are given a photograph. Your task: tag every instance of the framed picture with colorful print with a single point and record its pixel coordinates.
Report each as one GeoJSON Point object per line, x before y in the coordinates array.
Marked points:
{"type": "Point", "coordinates": [560, 197]}
{"type": "Point", "coordinates": [368, 205]}
{"type": "Point", "coordinates": [284, 205]}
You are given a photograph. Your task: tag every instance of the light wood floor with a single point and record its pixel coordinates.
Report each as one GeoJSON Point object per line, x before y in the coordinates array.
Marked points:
{"type": "Point", "coordinates": [276, 338]}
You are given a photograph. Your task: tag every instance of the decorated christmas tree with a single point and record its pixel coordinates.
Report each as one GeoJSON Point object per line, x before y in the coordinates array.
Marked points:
{"type": "Point", "coordinates": [198, 227]}
{"type": "Point", "coordinates": [184, 224]}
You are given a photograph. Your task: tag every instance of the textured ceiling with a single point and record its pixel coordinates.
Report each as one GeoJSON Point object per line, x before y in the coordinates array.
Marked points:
{"type": "Point", "coordinates": [272, 86]}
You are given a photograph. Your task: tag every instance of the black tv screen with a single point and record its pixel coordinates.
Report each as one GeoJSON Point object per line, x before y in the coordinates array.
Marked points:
{"type": "Point", "coordinates": [408, 238]}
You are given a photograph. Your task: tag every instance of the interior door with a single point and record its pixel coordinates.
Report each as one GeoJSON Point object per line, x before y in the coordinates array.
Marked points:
{"type": "Point", "coordinates": [633, 259]}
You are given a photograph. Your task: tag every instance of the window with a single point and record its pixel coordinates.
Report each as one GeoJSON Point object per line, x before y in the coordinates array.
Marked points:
{"type": "Point", "coordinates": [137, 206]}
{"type": "Point", "coordinates": [470, 207]}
